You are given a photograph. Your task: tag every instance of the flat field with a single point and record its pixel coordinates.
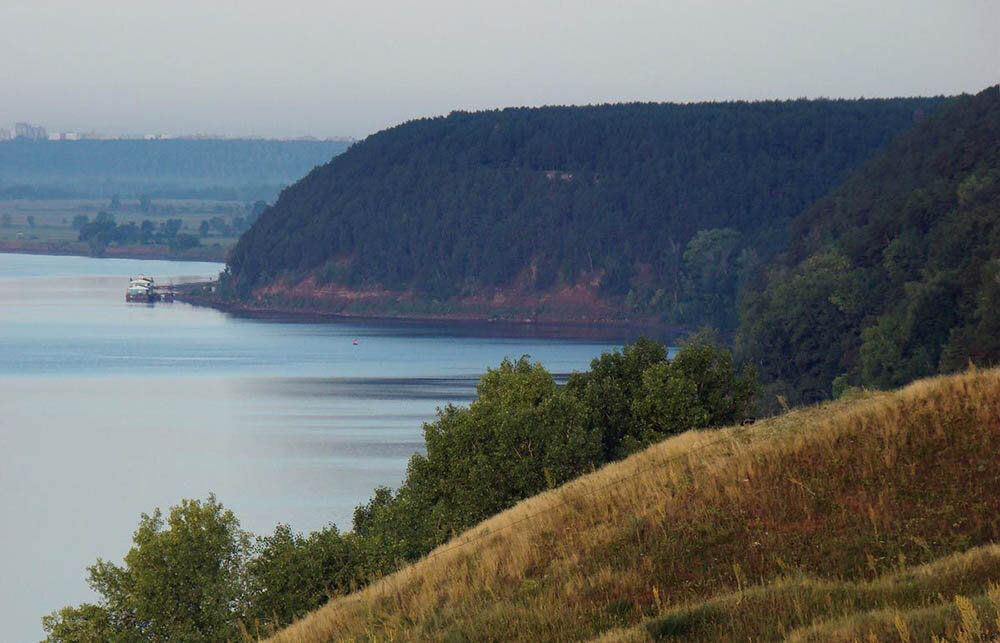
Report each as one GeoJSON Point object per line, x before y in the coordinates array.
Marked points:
{"type": "Point", "coordinates": [53, 225]}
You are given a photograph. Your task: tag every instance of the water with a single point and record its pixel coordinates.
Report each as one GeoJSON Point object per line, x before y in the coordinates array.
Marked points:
{"type": "Point", "coordinates": [109, 409]}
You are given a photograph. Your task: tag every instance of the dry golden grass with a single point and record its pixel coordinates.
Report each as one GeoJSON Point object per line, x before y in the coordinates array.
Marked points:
{"type": "Point", "coordinates": [820, 518]}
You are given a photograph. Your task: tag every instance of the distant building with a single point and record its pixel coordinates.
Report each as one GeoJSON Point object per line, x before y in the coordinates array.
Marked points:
{"type": "Point", "coordinates": [27, 130]}
{"type": "Point", "coordinates": [4, 134]}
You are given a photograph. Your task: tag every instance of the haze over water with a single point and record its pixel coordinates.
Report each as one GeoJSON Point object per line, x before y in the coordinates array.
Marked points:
{"type": "Point", "coordinates": [108, 410]}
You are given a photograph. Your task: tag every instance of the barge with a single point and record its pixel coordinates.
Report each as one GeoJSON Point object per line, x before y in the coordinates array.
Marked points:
{"type": "Point", "coordinates": [142, 289]}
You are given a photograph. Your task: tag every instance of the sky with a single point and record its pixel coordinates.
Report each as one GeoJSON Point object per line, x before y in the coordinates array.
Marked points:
{"type": "Point", "coordinates": [333, 68]}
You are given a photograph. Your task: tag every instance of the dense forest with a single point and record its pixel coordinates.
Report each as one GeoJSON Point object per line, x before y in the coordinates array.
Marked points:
{"type": "Point", "coordinates": [895, 274]}
{"type": "Point", "coordinates": [671, 207]}
{"type": "Point", "coordinates": [244, 170]}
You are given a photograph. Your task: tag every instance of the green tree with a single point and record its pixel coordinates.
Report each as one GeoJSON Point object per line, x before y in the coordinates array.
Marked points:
{"type": "Point", "coordinates": [698, 388]}
{"type": "Point", "coordinates": [394, 528]}
{"type": "Point", "coordinates": [219, 225]}
{"type": "Point", "coordinates": [181, 580]}
{"type": "Point", "coordinates": [184, 241]}
{"type": "Point", "coordinates": [291, 574]}
{"type": "Point", "coordinates": [906, 341]}
{"type": "Point", "coordinates": [171, 227]}
{"type": "Point", "coordinates": [978, 339]}
{"type": "Point", "coordinates": [520, 436]}
{"type": "Point", "coordinates": [797, 332]}
{"type": "Point", "coordinates": [87, 622]}
{"type": "Point", "coordinates": [146, 230]}
{"type": "Point", "coordinates": [99, 233]}
{"type": "Point", "coordinates": [609, 389]}
{"type": "Point", "coordinates": [713, 274]}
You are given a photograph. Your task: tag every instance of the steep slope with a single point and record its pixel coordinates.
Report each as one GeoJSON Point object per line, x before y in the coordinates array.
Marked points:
{"type": "Point", "coordinates": [526, 210]}
{"type": "Point", "coordinates": [821, 524]}
{"type": "Point", "coordinates": [896, 274]}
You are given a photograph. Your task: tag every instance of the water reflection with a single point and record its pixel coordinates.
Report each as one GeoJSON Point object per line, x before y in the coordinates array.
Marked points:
{"type": "Point", "coordinates": [108, 410]}
{"type": "Point", "coordinates": [454, 389]}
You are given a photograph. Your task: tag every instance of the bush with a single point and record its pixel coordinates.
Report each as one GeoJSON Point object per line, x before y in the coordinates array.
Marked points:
{"type": "Point", "coordinates": [291, 574]}
{"type": "Point", "coordinates": [521, 435]}
{"type": "Point", "coordinates": [698, 388]}
{"type": "Point", "coordinates": [181, 581]}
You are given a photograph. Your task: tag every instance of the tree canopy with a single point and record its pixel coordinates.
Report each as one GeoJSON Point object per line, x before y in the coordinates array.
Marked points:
{"type": "Point", "coordinates": [895, 275]}
{"type": "Point", "coordinates": [182, 580]}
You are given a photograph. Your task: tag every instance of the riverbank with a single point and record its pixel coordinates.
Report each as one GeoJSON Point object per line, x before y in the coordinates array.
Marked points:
{"type": "Point", "coordinates": [505, 322]}
{"type": "Point", "coordinates": [79, 249]}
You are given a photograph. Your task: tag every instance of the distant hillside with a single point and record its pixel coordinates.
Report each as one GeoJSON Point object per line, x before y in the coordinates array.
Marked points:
{"type": "Point", "coordinates": [871, 519]}
{"type": "Point", "coordinates": [560, 211]}
{"type": "Point", "coordinates": [221, 169]}
{"type": "Point", "coordinates": [895, 275]}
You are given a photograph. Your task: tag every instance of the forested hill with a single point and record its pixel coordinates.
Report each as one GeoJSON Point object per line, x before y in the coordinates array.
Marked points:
{"type": "Point", "coordinates": [537, 200]}
{"type": "Point", "coordinates": [896, 274]}
{"type": "Point", "coordinates": [245, 169]}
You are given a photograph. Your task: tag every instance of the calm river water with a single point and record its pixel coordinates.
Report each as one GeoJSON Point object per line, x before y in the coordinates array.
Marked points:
{"type": "Point", "coordinates": [109, 409]}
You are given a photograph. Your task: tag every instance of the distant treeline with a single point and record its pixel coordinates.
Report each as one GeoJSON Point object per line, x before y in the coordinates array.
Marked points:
{"type": "Point", "coordinates": [103, 231]}
{"type": "Point", "coordinates": [536, 198]}
{"type": "Point", "coordinates": [242, 169]}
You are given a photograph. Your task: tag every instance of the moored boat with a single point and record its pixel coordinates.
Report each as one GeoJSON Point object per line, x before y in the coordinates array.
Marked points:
{"type": "Point", "coordinates": [140, 289]}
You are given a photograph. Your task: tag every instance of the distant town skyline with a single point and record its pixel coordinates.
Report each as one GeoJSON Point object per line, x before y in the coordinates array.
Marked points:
{"type": "Point", "coordinates": [28, 130]}
{"type": "Point", "coordinates": [341, 69]}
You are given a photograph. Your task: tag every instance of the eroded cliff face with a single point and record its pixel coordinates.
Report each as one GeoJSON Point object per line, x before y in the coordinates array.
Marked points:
{"type": "Point", "coordinates": [581, 302]}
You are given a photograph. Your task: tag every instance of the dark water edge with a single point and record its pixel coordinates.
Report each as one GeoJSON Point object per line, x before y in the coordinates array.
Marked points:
{"type": "Point", "coordinates": [159, 253]}
{"type": "Point", "coordinates": [448, 326]}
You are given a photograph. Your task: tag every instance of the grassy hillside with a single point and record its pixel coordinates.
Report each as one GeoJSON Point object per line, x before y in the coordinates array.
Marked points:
{"type": "Point", "coordinates": [870, 516]}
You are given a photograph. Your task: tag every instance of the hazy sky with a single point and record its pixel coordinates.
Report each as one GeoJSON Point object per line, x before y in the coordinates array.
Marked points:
{"type": "Point", "coordinates": [328, 67]}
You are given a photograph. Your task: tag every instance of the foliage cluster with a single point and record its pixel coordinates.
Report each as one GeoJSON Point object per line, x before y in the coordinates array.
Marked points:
{"type": "Point", "coordinates": [535, 198]}
{"type": "Point", "coordinates": [217, 225]}
{"type": "Point", "coordinates": [198, 576]}
{"type": "Point", "coordinates": [896, 274]}
{"type": "Point", "coordinates": [103, 231]}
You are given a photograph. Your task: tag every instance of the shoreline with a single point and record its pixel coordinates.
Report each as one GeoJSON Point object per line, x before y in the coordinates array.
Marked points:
{"type": "Point", "coordinates": [539, 327]}
{"type": "Point", "coordinates": [544, 327]}
{"type": "Point", "coordinates": [113, 252]}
